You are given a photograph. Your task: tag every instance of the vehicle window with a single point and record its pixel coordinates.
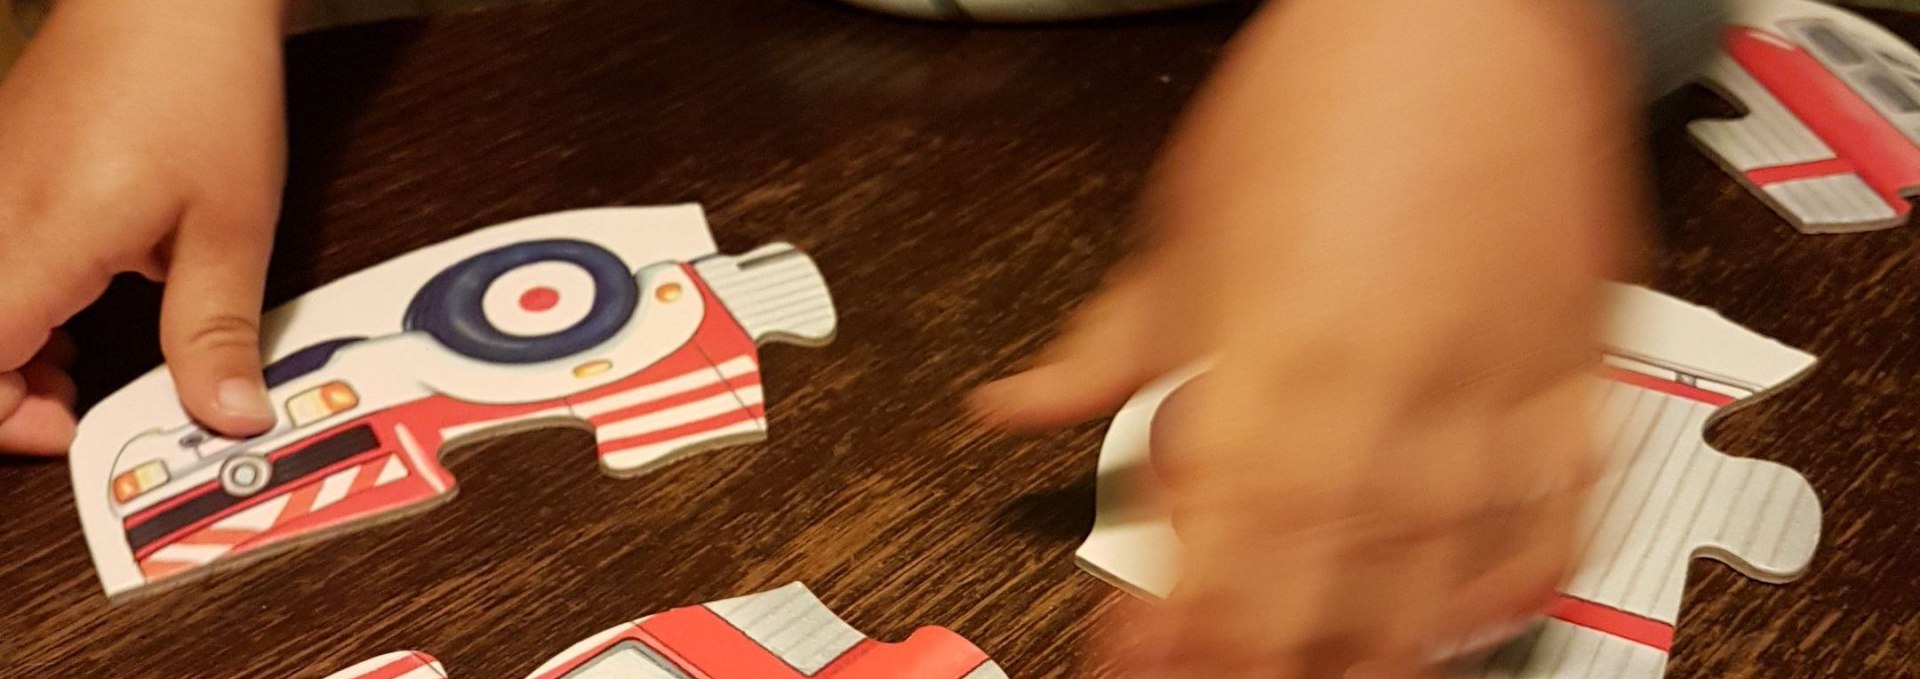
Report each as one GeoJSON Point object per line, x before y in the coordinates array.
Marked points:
{"type": "Point", "coordinates": [304, 361]}
{"type": "Point", "coordinates": [1899, 63]}
{"type": "Point", "coordinates": [1832, 44]}
{"type": "Point", "coordinates": [626, 660]}
{"type": "Point", "coordinates": [1891, 93]}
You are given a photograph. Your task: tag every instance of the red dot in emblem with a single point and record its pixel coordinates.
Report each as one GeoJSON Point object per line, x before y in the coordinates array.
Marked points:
{"type": "Point", "coordinates": [539, 299]}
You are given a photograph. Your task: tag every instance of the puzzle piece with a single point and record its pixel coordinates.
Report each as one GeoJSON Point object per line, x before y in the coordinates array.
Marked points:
{"type": "Point", "coordinates": [624, 321]}
{"type": "Point", "coordinates": [1833, 115]}
{"type": "Point", "coordinates": [402, 665]}
{"type": "Point", "coordinates": [781, 634]}
{"type": "Point", "coordinates": [1667, 499]}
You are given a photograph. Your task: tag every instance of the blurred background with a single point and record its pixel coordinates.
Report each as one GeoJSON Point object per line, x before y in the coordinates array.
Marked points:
{"type": "Point", "coordinates": [11, 37]}
{"type": "Point", "coordinates": [9, 40]}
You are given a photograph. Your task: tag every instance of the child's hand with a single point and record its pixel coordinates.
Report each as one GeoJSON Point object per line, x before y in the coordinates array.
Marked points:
{"type": "Point", "coordinates": [142, 137]}
{"type": "Point", "coordinates": [1385, 223]}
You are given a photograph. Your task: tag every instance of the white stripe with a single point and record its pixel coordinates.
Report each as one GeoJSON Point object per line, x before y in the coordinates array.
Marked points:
{"type": "Point", "coordinates": [729, 369]}
{"type": "Point", "coordinates": [641, 457]}
{"type": "Point", "coordinates": [1768, 136]}
{"type": "Point", "coordinates": [1841, 199]}
{"type": "Point", "coordinates": [257, 518]}
{"type": "Point", "coordinates": [194, 554]}
{"type": "Point", "coordinates": [393, 471]}
{"type": "Point", "coordinates": [1640, 450]}
{"type": "Point", "coordinates": [457, 431]}
{"type": "Point", "coordinates": [335, 488]}
{"type": "Point", "coordinates": [792, 624]}
{"type": "Point", "coordinates": [711, 406]}
{"type": "Point", "coordinates": [420, 461]}
{"type": "Point", "coordinates": [987, 671]}
{"type": "Point", "coordinates": [786, 297]}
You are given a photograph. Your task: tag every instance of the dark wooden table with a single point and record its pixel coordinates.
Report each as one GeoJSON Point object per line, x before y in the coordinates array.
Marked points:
{"type": "Point", "coordinates": [962, 188]}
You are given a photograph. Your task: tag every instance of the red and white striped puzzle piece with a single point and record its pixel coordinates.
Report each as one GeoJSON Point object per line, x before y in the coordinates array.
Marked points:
{"type": "Point", "coordinates": [782, 634]}
{"type": "Point", "coordinates": [1668, 498]}
{"type": "Point", "coordinates": [1831, 138]}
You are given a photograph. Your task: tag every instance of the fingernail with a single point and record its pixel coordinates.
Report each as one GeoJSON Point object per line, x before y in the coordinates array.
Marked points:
{"type": "Point", "coordinates": [244, 398]}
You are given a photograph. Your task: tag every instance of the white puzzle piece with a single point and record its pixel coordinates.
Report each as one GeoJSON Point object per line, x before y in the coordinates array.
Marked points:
{"type": "Point", "coordinates": [626, 321]}
{"type": "Point", "coordinates": [1668, 498]}
{"type": "Point", "coordinates": [1831, 139]}
{"type": "Point", "coordinates": [782, 634]}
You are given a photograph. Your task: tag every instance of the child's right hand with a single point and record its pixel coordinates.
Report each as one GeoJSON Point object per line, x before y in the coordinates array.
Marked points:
{"type": "Point", "coordinates": [140, 137]}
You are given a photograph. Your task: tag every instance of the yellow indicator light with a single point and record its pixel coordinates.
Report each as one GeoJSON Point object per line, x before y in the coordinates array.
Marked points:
{"type": "Point", "coordinates": [591, 368]}
{"type": "Point", "coordinates": [667, 293]}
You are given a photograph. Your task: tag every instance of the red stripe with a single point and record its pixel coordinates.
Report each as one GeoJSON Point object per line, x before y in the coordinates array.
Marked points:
{"type": "Point", "coordinates": [401, 667]}
{"type": "Point", "coordinates": [214, 487]}
{"type": "Point", "coordinates": [1613, 622]}
{"type": "Point", "coordinates": [379, 501]}
{"type": "Point", "coordinates": [275, 456]}
{"type": "Point", "coordinates": [1851, 126]}
{"type": "Point", "coordinates": [689, 429]}
{"type": "Point", "coordinates": [369, 473]}
{"type": "Point", "coordinates": [930, 653]}
{"type": "Point", "coordinates": [719, 650]}
{"type": "Point", "coordinates": [216, 536]}
{"type": "Point", "coordinates": [1786, 173]}
{"type": "Point", "coordinates": [677, 399]}
{"type": "Point", "coordinates": [143, 515]}
{"type": "Point", "coordinates": [702, 645]}
{"type": "Point", "coordinates": [298, 503]}
{"type": "Point", "coordinates": [1686, 391]}
{"type": "Point", "coordinates": [161, 570]}
{"type": "Point", "coordinates": [703, 641]}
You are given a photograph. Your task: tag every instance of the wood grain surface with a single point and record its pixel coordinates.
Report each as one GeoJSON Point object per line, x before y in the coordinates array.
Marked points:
{"type": "Point", "coordinates": [962, 188]}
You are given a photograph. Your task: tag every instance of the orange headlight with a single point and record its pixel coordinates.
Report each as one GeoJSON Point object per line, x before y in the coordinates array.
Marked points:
{"type": "Point", "coordinates": [320, 403]}
{"type": "Point", "coordinates": [138, 480]}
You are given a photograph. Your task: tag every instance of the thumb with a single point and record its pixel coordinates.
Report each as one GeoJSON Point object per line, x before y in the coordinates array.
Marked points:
{"type": "Point", "coordinates": [210, 321]}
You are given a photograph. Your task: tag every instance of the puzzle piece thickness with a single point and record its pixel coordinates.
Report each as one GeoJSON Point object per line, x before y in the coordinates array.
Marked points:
{"type": "Point", "coordinates": [623, 321]}
{"type": "Point", "coordinates": [1833, 115]}
{"type": "Point", "coordinates": [782, 634]}
{"type": "Point", "coordinates": [1668, 498]}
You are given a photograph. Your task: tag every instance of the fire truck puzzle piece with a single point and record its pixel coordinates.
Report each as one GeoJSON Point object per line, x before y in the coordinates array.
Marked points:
{"type": "Point", "coordinates": [402, 665]}
{"type": "Point", "coordinates": [625, 321]}
{"type": "Point", "coordinates": [1667, 499]}
{"type": "Point", "coordinates": [1833, 115]}
{"type": "Point", "coordinates": [781, 634]}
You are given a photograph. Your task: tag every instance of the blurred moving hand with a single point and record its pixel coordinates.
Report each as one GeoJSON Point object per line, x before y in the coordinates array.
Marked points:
{"type": "Point", "coordinates": [1385, 222]}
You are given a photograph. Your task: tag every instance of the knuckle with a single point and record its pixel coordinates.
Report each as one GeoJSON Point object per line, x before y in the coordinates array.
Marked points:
{"type": "Point", "coordinates": [220, 333]}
